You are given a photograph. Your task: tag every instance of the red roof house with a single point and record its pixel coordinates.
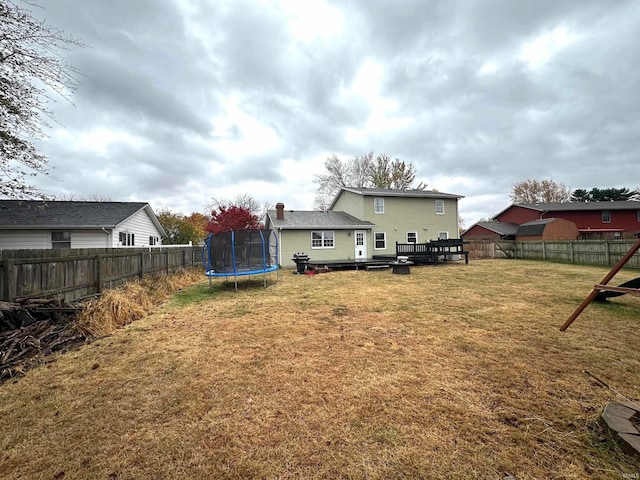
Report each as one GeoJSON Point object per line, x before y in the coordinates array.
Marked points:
{"type": "Point", "coordinates": [594, 220]}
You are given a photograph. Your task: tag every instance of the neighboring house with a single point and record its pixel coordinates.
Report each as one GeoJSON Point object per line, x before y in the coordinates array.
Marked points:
{"type": "Point", "coordinates": [594, 220]}
{"type": "Point", "coordinates": [363, 222]}
{"type": "Point", "coordinates": [31, 224]}
{"type": "Point", "coordinates": [491, 232]}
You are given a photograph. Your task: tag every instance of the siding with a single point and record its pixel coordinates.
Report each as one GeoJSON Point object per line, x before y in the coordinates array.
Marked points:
{"type": "Point", "coordinates": [140, 225]}
{"type": "Point", "coordinates": [298, 241]}
{"type": "Point", "coordinates": [25, 239]}
{"type": "Point", "coordinates": [519, 215]}
{"type": "Point", "coordinates": [410, 214]}
{"type": "Point", "coordinates": [89, 239]}
{"type": "Point", "coordinates": [351, 203]}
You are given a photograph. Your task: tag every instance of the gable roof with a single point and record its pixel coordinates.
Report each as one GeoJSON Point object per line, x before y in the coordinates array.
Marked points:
{"type": "Point", "coordinates": [308, 219]}
{"type": "Point", "coordinates": [534, 227]}
{"type": "Point", "coordinates": [576, 206]}
{"type": "Point", "coordinates": [36, 214]}
{"type": "Point", "coordinates": [391, 192]}
{"type": "Point", "coordinates": [506, 228]}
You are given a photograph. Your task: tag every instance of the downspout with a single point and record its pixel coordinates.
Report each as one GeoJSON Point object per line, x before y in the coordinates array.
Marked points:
{"type": "Point", "coordinates": [109, 245]}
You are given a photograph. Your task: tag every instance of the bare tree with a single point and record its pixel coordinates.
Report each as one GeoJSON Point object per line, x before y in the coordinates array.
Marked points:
{"type": "Point", "coordinates": [540, 191]}
{"type": "Point", "coordinates": [364, 171]}
{"type": "Point", "coordinates": [73, 197]}
{"type": "Point", "coordinates": [31, 69]}
{"type": "Point", "coordinates": [241, 200]}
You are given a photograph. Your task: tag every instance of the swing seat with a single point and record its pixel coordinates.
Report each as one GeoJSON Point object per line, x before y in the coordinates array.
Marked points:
{"type": "Point", "coordinates": [604, 294]}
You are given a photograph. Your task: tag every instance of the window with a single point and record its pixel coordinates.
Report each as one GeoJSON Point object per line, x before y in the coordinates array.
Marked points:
{"type": "Point", "coordinates": [60, 240]}
{"type": "Point", "coordinates": [126, 239]}
{"type": "Point", "coordinates": [378, 205]}
{"type": "Point", "coordinates": [153, 241]}
{"type": "Point", "coordinates": [439, 207]}
{"type": "Point", "coordinates": [639, 215]}
{"type": "Point", "coordinates": [443, 235]}
{"type": "Point", "coordinates": [322, 239]}
{"type": "Point", "coordinates": [412, 237]}
{"type": "Point", "coordinates": [606, 216]}
{"type": "Point", "coordinates": [380, 240]}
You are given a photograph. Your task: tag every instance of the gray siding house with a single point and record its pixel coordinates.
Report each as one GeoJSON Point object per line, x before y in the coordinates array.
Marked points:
{"type": "Point", "coordinates": [31, 224]}
{"type": "Point", "coordinates": [363, 222]}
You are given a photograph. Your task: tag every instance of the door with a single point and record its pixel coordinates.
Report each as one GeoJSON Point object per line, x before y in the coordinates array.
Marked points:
{"type": "Point", "coordinates": [361, 244]}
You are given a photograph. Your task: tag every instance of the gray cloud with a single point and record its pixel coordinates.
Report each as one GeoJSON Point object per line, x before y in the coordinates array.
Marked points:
{"type": "Point", "coordinates": [203, 98]}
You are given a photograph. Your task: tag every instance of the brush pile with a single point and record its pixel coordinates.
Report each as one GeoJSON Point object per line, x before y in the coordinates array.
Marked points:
{"type": "Point", "coordinates": [33, 330]}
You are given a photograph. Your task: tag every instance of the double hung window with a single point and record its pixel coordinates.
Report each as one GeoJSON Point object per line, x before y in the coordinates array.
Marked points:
{"type": "Point", "coordinates": [322, 239]}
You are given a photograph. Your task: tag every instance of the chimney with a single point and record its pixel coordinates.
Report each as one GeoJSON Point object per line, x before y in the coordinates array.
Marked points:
{"type": "Point", "coordinates": [279, 211]}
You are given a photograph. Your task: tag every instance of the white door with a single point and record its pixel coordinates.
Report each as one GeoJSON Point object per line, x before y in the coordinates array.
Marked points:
{"type": "Point", "coordinates": [361, 244]}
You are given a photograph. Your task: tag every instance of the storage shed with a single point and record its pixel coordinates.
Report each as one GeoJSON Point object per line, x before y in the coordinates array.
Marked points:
{"type": "Point", "coordinates": [547, 229]}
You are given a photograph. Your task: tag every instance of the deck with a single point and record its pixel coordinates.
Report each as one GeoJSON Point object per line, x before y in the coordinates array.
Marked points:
{"type": "Point", "coordinates": [351, 264]}
{"type": "Point", "coordinates": [433, 251]}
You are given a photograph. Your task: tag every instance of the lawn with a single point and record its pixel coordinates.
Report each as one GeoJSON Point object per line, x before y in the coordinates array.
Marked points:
{"type": "Point", "coordinates": [454, 371]}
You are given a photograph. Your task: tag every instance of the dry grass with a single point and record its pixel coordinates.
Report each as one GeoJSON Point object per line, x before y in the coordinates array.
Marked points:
{"type": "Point", "coordinates": [120, 306]}
{"type": "Point", "coordinates": [451, 372]}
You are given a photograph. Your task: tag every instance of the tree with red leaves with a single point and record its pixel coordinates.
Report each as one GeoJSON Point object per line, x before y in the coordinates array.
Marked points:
{"type": "Point", "coordinates": [225, 219]}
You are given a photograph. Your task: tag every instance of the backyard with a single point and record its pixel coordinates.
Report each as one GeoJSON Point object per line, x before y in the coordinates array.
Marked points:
{"type": "Point", "coordinates": [453, 371]}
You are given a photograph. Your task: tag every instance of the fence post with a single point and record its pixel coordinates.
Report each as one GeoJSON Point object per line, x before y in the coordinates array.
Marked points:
{"type": "Point", "coordinates": [607, 255]}
{"type": "Point", "coordinates": [99, 273]}
{"type": "Point", "coordinates": [9, 280]}
{"type": "Point", "coordinates": [571, 258]}
{"type": "Point", "coordinates": [166, 254]}
{"type": "Point", "coordinates": [544, 250]}
{"type": "Point", "coordinates": [141, 265]}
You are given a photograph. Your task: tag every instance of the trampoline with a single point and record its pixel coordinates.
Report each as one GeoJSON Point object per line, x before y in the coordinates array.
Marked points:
{"type": "Point", "coordinates": [239, 253]}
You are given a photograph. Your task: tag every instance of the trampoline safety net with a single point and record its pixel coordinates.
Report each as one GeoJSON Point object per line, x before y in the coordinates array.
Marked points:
{"type": "Point", "coordinates": [240, 252]}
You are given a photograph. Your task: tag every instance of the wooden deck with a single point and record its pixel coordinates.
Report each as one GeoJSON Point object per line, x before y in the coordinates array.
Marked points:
{"type": "Point", "coordinates": [433, 251]}
{"type": "Point", "coordinates": [350, 264]}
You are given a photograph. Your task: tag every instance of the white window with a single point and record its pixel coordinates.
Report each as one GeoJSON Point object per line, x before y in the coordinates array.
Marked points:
{"type": "Point", "coordinates": [439, 207]}
{"type": "Point", "coordinates": [378, 205]}
{"type": "Point", "coordinates": [153, 241]}
{"type": "Point", "coordinates": [443, 235]}
{"type": "Point", "coordinates": [606, 216]}
{"type": "Point", "coordinates": [126, 239]}
{"type": "Point", "coordinates": [60, 240]}
{"type": "Point", "coordinates": [412, 237]}
{"type": "Point", "coordinates": [322, 239]}
{"type": "Point", "coordinates": [380, 240]}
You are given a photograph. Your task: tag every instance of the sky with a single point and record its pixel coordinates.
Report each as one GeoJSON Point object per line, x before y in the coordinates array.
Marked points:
{"type": "Point", "coordinates": [184, 101]}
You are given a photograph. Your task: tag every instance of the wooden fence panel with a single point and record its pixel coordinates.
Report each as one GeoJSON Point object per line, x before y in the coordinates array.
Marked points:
{"type": "Point", "coordinates": [585, 252]}
{"type": "Point", "coordinates": [78, 273]}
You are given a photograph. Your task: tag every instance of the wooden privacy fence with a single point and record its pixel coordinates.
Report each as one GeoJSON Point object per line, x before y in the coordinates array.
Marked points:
{"type": "Point", "coordinates": [78, 273]}
{"type": "Point", "coordinates": [587, 252]}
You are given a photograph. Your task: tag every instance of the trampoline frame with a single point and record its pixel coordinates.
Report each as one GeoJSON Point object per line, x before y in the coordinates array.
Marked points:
{"type": "Point", "coordinates": [236, 271]}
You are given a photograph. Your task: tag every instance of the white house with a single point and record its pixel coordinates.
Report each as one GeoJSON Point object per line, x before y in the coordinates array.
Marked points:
{"type": "Point", "coordinates": [35, 224]}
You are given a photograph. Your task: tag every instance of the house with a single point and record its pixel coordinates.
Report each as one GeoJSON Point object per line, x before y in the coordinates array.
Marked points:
{"type": "Point", "coordinates": [491, 232]}
{"type": "Point", "coordinates": [594, 220]}
{"type": "Point", "coordinates": [363, 222]}
{"type": "Point", "coordinates": [31, 224]}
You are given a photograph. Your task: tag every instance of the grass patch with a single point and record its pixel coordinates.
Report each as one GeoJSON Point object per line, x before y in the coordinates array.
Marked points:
{"type": "Point", "coordinates": [198, 293]}
{"type": "Point", "coordinates": [453, 371]}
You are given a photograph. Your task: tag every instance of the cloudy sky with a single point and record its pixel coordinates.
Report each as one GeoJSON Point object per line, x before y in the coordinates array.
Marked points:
{"type": "Point", "coordinates": [182, 101]}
